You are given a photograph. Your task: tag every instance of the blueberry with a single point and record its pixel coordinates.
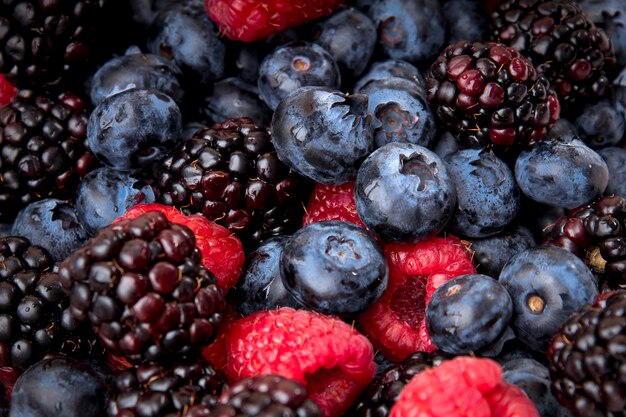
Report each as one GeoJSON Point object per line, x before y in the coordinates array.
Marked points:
{"type": "Point", "coordinates": [333, 267]}
{"type": "Point", "coordinates": [619, 88]}
{"type": "Point", "coordinates": [59, 387]}
{"type": "Point", "coordinates": [561, 172]}
{"type": "Point", "coordinates": [145, 11]}
{"type": "Point", "coordinates": [294, 65]}
{"type": "Point", "coordinates": [261, 287]}
{"type": "Point", "coordinates": [136, 70]}
{"type": "Point", "coordinates": [392, 68]}
{"type": "Point", "coordinates": [492, 253]}
{"type": "Point", "coordinates": [403, 192]}
{"type": "Point", "coordinates": [465, 20]}
{"type": "Point", "coordinates": [487, 197]}
{"type": "Point", "coordinates": [350, 37]}
{"type": "Point", "coordinates": [105, 194]}
{"type": "Point", "coordinates": [547, 284]}
{"type": "Point", "coordinates": [615, 159]}
{"type": "Point", "coordinates": [232, 98]}
{"type": "Point", "coordinates": [468, 314]}
{"type": "Point", "coordinates": [402, 110]}
{"type": "Point", "coordinates": [184, 33]}
{"type": "Point", "coordinates": [446, 145]}
{"type": "Point", "coordinates": [412, 30]}
{"type": "Point", "coordinates": [602, 124]}
{"type": "Point", "coordinates": [323, 134]}
{"type": "Point", "coordinates": [563, 128]}
{"type": "Point", "coordinates": [534, 379]}
{"type": "Point", "coordinates": [133, 128]}
{"type": "Point", "coordinates": [52, 224]}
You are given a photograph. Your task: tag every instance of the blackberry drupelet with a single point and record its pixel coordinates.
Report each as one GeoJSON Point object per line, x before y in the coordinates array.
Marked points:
{"type": "Point", "coordinates": [490, 94]}
{"type": "Point", "coordinates": [34, 313]}
{"type": "Point", "coordinates": [266, 396]}
{"type": "Point", "coordinates": [231, 174]}
{"type": "Point", "coordinates": [565, 46]}
{"type": "Point", "coordinates": [595, 232]}
{"type": "Point", "coordinates": [187, 388]}
{"type": "Point", "coordinates": [587, 362]}
{"type": "Point", "coordinates": [47, 43]}
{"type": "Point", "coordinates": [381, 395]}
{"type": "Point", "coordinates": [142, 286]}
{"type": "Point", "coordinates": [44, 151]}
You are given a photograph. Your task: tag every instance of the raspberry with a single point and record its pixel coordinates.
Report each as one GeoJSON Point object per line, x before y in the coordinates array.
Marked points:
{"type": "Point", "coordinates": [251, 20]}
{"type": "Point", "coordinates": [222, 252]}
{"type": "Point", "coordinates": [331, 359]}
{"type": "Point", "coordinates": [463, 387]}
{"type": "Point", "coordinates": [332, 202]}
{"type": "Point", "coordinates": [395, 323]}
{"type": "Point", "coordinates": [7, 91]}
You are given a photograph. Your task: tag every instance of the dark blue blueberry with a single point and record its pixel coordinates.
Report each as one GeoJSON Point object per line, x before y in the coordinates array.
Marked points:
{"type": "Point", "coordinates": [52, 224]}
{"type": "Point", "coordinates": [184, 33]}
{"type": "Point", "coordinates": [323, 134]}
{"type": "Point", "coordinates": [136, 70]}
{"type": "Point", "coordinates": [609, 15]}
{"type": "Point", "coordinates": [561, 172]}
{"type": "Point", "coordinates": [547, 284]}
{"type": "Point", "coordinates": [465, 21]}
{"type": "Point", "coordinates": [134, 128]}
{"type": "Point", "coordinates": [261, 287]}
{"type": "Point", "coordinates": [105, 194]}
{"type": "Point", "coordinates": [389, 69]}
{"type": "Point", "coordinates": [492, 253]}
{"type": "Point", "coordinates": [232, 98]}
{"type": "Point", "coordinates": [563, 128]}
{"type": "Point", "coordinates": [534, 379]}
{"type": "Point", "coordinates": [59, 387]}
{"type": "Point", "coordinates": [446, 145]}
{"type": "Point", "coordinates": [402, 111]}
{"type": "Point", "coordinates": [487, 197]}
{"type": "Point", "coordinates": [145, 11]}
{"type": "Point", "coordinates": [5, 229]}
{"type": "Point", "coordinates": [334, 267]}
{"type": "Point", "coordinates": [294, 65]}
{"type": "Point", "coordinates": [404, 192]}
{"type": "Point", "coordinates": [619, 89]}
{"type": "Point", "coordinates": [602, 124]}
{"type": "Point", "coordinates": [616, 161]}
{"type": "Point", "coordinates": [468, 314]}
{"type": "Point", "coordinates": [412, 30]}
{"type": "Point", "coordinates": [350, 37]}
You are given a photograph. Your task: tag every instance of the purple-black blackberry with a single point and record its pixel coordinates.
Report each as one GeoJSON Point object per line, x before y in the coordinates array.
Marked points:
{"type": "Point", "coordinates": [185, 388]}
{"type": "Point", "coordinates": [266, 396]}
{"type": "Point", "coordinates": [44, 152]}
{"type": "Point", "coordinates": [574, 55]}
{"type": "Point", "coordinates": [231, 174]}
{"type": "Point", "coordinates": [142, 286]}
{"type": "Point", "coordinates": [490, 94]}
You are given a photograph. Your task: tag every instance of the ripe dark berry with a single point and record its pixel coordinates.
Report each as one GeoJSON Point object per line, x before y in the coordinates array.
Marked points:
{"type": "Point", "coordinates": [333, 267]}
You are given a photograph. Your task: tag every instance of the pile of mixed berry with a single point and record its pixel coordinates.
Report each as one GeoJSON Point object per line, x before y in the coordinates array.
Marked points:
{"type": "Point", "coordinates": [313, 208]}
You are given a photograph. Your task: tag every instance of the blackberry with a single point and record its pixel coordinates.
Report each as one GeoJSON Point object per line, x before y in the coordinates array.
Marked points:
{"type": "Point", "coordinates": [586, 360]}
{"type": "Point", "coordinates": [44, 43]}
{"type": "Point", "coordinates": [490, 94]}
{"type": "Point", "coordinates": [381, 395]}
{"type": "Point", "coordinates": [231, 174]}
{"type": "Point", "coordinates": [565, 46]}
{"type": "Point", "coordinates": [142, 286]}
{"type": "Point", "coordinates": [186, 388]}
{"type": "Point", "coordinates": [34, 313]}
{"type": "Point", "coordinates": [267, 396]}
{"type": "Point", "coordinates": [43, 149]}
{"type": "Point", "coordinates": [595, 233]}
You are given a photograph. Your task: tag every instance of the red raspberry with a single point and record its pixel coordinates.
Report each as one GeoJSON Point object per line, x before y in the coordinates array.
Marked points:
{"type": "Point", "coordinates": [462, 387]}
{"type": "Point", "coordinates": [332, 202]}
{"type": "Point", "coordinates": [395, 323]}
{"type": "Point", "coordinates": [222, 252]}
{"type": "Point", "coordinates": [251, 20]}
{"type": "Point", "coordinates": [7, 91]}
{"type": "Point", "coordinates": [325, 354]}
